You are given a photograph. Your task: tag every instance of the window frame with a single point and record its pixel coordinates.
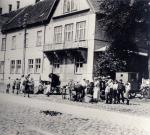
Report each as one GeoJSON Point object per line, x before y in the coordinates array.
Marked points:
{"type": "Point", "coordinates": [27, 40]}
{"type": "Point", "coordinates": [58, 34]}
{"type": "Point", "coordinates": [67, 32]}
{"type": "Point", "coordinates": [3, 46]}
{"type": "Point", "coordinates": [79, 68]}
{"type": "Point", "coordinates": [2, 67]}
{"type": "Point", "coordinates": [18, 4]}
{"type": "Point", "coordinates": [56, 66]}
{"type": "Point", "coordinates": [39, 38]}
{"type": "Point", "coordinates": [18, 66]}
{"type": "Point", "coordinates": [79, 30]}
{"type": "Point", "coordinates": [69, 6]}
{"type": "Point", "coordinates": [12, 66]}
{"type": "Point", "coordinates": [13, 47]}
{"type": "Point", "coordinates": [37, 65]}
{"type": "Point", "coordinates": [30, 64]}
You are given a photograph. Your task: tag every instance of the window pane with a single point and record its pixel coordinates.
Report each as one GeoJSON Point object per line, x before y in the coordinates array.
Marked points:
{"type": "Point", "coordinates": [3, 47]}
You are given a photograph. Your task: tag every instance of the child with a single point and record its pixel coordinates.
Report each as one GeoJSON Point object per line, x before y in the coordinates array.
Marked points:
{"type": "Point", "coordinates": [8, 85]}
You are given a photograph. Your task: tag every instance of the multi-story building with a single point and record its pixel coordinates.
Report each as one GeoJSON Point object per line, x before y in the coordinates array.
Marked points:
{"type": "Point", "coordinates": [54, 36]}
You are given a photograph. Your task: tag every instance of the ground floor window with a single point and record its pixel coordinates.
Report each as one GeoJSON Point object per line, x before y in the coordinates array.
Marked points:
{"type": "Point", "coordinates": [37, 65]}
{"type": "Point", "coordinates": [30, 66]}
{"type": "Point", "coordinates": [1, 67]}
{"type": "Point", "coordinates": [78, 66]}
{"type": "Point", "coordinates": [18, 66]}
{"type": "Point", "coordinates": [56, 66]}
{"type": "Point", "coordinates": [12, 66]}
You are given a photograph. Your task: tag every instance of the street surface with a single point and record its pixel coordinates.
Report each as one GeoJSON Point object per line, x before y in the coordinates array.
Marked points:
{"type": "Point", "coordinates": [25, 116]}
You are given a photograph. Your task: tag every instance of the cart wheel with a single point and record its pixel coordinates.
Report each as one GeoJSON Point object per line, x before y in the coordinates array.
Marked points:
{"type": "Point", "coordinates": [132, 95]}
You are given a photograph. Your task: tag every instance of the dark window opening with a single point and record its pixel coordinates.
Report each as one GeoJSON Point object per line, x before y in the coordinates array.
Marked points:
{"type": "Point", "coordinates": [10, 7]}
{"type": "Point", "coordinates": [18, 4]}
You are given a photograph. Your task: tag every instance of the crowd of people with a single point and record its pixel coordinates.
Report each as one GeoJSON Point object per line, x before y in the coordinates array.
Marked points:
{"type": "Point", "coordinates": [24, 85]}
{"type": "Point", "coordinates": [101, 89]}
{"type": "Point", "coordinates": [112, 91]}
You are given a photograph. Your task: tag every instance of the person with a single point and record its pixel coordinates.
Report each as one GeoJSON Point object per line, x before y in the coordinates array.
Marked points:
{"type": "Point", "coordinates": [127, 91]}
{"type": "Point", "coordinates": [102, 89]}
{"type": "Point", "coordinates": [48, 88]}
{"type": "Point", "coordinates": [26, 86]}
{"type": "Point", "coordinates": [107, 91]}
{"type": "Point", "coordinates": [17, 86]}
{"type": "Point", "coordinates": [96, 94]}
{"type": "Point", "coordinates": [115, 91]}
{"type": "Point", "coordinates": [22, 79]}
{"type": "Point", "coordinates": [121, 90]}
{"type": "Point", "coordinates": [8, 85]}
{"type": "Point", "coordinates": [13, 86]}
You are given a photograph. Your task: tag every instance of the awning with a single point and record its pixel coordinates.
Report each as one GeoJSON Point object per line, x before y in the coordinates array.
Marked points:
{"type": "Point", "coordinates": [103, 49]}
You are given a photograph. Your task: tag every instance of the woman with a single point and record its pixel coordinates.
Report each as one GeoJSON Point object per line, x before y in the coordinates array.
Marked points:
{"type": "Point", "coordinates": [96, 94]}
{"type": "Point", "coordinates": [127, 91]}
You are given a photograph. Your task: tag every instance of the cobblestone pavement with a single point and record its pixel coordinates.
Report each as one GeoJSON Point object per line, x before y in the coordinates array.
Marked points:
{"type": "Point", "coordinates": [25, 119]}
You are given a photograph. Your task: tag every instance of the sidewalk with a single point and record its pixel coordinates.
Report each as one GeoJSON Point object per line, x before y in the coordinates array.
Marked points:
{"type": "Point", "coordinates": [123, 120]}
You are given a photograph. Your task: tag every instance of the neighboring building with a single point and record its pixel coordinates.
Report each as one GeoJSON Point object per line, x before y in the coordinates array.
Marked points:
{"type": "Point", "coordinates": [7, 6]}
{"type": "Point", "coordinates": [53, 36]}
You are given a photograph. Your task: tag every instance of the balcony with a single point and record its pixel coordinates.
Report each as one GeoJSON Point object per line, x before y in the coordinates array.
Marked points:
{"type": "Point", "coordinates": [65, 46]}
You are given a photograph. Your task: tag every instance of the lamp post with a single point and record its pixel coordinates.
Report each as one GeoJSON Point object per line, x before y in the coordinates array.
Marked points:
{"type": "Point", "coordinates": [24, 46]}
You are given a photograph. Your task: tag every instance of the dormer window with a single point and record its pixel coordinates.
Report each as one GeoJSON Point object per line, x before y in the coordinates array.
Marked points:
{"type": "Point", "coordinates": [69, 6]}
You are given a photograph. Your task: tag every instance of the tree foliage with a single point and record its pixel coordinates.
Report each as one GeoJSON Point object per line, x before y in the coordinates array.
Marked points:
{"type": "Point", "coordinates": [121, 21]}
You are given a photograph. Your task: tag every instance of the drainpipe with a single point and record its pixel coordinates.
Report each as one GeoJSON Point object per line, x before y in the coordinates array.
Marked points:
{"type": "Point", "coordinates": [4, 58]}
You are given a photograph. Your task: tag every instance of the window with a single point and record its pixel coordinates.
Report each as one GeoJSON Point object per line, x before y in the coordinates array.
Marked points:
{"type": "Point", "coordinates": [56, 66]}
{"type": "Point", "coordinates": [27, 39]}
{"type": "Point", "coordinates": [0, 10]}
{"type": "Point", "coordinates": [1, 67]}
{"type": "Point", "coordinates": [79, 66]}
{"type": "Point", "coordinates": [58, 34]}
{"type": "Point", "coordinates": [18, 4]}
{"type": "Point", "coordinates": [37, 65]}
{"type": "Point", "coordinates": [18, 66]}
{"type": "Point", "coordinates": [80, 31]}
{"type": "Point", "coordinates": [13, 42]}
{"type": "Point", "coordinates": [3, 47]}
{"type": "Point", "coordinates": [69, 32]}
{"type": "Point", "coordinates": [30, 66]}
{"type": "Point", "coordinates": [12, 66]}
{"type": "Point", "coordinates": [69, 6]}
{"type": "Point", "coordinates": [39, 38]}
{"type": "Point", "coordinates": [10, 7]}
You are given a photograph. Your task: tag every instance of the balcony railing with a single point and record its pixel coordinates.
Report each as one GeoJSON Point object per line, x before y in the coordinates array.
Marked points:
{"type": "Point", "coordinates": [65, 46]}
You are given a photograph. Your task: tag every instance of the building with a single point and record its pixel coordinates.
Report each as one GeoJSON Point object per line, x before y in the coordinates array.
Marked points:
{"type": "Point", "coordinates": [53, 36]}
{"type": "Point", "coordinates": [7, 6]}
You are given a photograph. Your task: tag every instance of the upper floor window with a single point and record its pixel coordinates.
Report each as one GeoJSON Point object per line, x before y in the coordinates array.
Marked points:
{"type": "Point", "coordinates": [1, 67]}
{"type": "Point", "coordinates": [69, 6]}
{"type": "Point", "coordinates": [30, 66]}
{"type": "Point", "coordinates": [80, 31]}
{"type": "Point", "coordinates": [69, 32]}
{"type": "Point", "coordinates": [3, 47]}
{"type": "Point", "coordinates": [13, 42]}
{"type": "Point", "coordinates": [58, 34]}
{"type": "Point", "coordinates": [10, 7]}
{"type": "Point", "coordinates": [12, 66]}
{"type": "Point", "coordinates": [39, 38]}
{"type": "Point", "coordinates": [27, 39]}
{"type": "Point", "coordinates": [18, 4]}
{"type": "Point", "coordinates": [0, 10]}
{"type": "Point", "coordinates": [79, 66]}
{"type": "Point", "coordinates": [18, 66]}
{"type": "Point", "coordinates": [37, 65]}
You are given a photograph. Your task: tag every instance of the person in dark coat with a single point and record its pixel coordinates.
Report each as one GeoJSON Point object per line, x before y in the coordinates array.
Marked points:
{"type": "Point", "coordinates": [121, 90]}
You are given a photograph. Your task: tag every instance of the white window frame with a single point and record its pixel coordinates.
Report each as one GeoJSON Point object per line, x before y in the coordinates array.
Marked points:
{"type": "Point", "coordinates": [56, 66]}
{"type": "Point", "coordinates": [13, 47]}
{"type": "Point", "coordinates": [27, 40]}
{"type": "Point", "coordinates": [70, 6]}
{"type": "Point", "coordinates": [12, 66]}
{"type": "Point", "coordinates": [58, 34]}
{"type": "Point", "coordinates": [37, 65]}
{"type": "Point", "coordinates": [79, 66]}
{"type": "Point", "coordinates": [3, 47]}
{"type": "Point", "coordinates": [2, 67]}
{"type": "Point", "coordinates": [39, 38]}
{"type": "Point", "coordinates": [30, 65]}
{"type": "Point", "coordinates": [80, 31]}
{"type": "Point", "coordinates": [69, 32]}
{"type": "Point", "coordinates": [18, 66]}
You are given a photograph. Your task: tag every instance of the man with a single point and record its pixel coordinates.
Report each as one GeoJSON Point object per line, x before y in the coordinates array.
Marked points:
{"type": "Point", "coordinates": [8, 85]}
{"type": "Point", "coordinates": [121, 90]}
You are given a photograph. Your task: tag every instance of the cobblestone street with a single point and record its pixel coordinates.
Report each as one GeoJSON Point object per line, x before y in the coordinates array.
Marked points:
{"type": "Point", "coordinates": [26, 118]}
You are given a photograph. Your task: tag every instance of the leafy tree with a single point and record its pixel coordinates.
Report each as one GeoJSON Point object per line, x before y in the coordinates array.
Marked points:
{"type": "Point", "coordinates": [121, 21]}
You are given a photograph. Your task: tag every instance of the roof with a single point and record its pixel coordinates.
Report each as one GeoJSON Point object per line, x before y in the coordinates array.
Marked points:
{"type": "Point", "coordinates": [96, 5]}
{"type": "Point", "coordinates": [30, 16]}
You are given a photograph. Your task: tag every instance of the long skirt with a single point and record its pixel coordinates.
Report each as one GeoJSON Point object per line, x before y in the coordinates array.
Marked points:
{"type": "Point", "coordinates": [96, 94]}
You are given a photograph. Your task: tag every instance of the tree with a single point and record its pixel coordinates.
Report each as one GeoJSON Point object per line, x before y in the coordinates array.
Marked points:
{"type": "Point", "coordinates": [121, 20]}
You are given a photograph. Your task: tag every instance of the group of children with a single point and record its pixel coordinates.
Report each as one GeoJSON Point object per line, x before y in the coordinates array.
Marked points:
{"type": "Point", "coordinates": [25, 85]}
